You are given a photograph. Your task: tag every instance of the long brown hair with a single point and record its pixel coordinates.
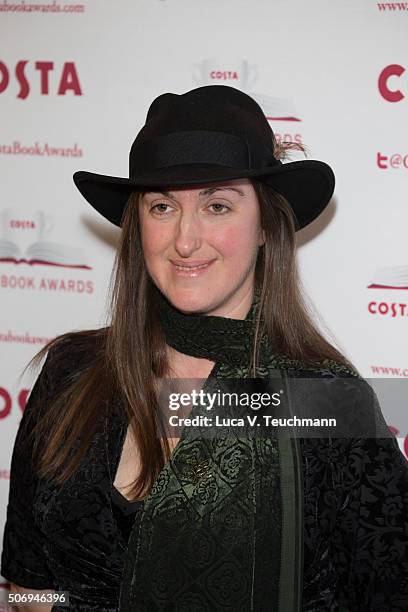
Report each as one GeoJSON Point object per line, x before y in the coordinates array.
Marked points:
{"type": "Point", "coordinates": [122, 360]}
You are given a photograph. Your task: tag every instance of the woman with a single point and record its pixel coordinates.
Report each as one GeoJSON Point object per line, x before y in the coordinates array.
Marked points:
{"type": "Point", "coordinates": [124, 518]}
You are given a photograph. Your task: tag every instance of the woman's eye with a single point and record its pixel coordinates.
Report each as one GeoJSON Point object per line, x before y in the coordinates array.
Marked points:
{"type": "Point", "coordinates": [219, 208]}
{"type": "Point", "coordinates": [159, 208]}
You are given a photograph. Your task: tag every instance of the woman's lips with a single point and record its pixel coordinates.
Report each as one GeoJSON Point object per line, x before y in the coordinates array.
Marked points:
{"type": "Point", "coordinates": [191, 269]}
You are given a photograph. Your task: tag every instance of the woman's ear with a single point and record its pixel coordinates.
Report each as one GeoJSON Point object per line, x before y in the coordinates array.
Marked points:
{"type": "Point", "coordinates": [262, 238]}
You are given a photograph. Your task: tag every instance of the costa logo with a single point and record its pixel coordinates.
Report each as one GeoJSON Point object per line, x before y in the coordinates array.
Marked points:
{"type": "Point", "coordinates": [224, 75]}
{"type": "Point", "coordinates": [67, 78]}
{"type": "Point", "coordinates": [28, 238]}
{"type": "Point", "coordinates": [387, 84]}
{"type": "Point", "coordinates": [22, 223]}
{"type": "Point", "coordinates": [219, 69]}
{"type": "Point", "coordinates": [390, 309]}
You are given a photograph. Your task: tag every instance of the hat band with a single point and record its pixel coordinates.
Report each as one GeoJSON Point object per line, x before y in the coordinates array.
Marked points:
{"type": "Point", "coordinates": [198, 147]}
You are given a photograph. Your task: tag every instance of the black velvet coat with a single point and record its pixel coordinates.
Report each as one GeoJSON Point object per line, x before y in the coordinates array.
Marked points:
{"type": "Point", "coordinates": [263, 525]}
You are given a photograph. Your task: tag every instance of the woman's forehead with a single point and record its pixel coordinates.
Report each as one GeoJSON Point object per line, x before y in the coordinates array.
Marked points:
{"type": "Point", "coordinates": [237, 186]}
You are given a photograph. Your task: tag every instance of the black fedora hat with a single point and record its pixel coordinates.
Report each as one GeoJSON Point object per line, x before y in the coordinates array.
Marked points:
{"type": "Point", "coordinates": [211, 133]}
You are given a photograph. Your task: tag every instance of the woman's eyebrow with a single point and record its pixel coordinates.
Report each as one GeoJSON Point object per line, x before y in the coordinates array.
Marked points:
{"type": "Point", "coordinates": [208, 191]}
{"type": "Point", "coordinates": [211, 190]}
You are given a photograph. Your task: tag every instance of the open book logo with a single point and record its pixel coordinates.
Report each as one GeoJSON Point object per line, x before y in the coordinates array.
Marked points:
{"type": "Point", "coordinates": [25, 238]}
{"type": "Point", "coordinates": [237, 72]}
{"type": "Point", "coordinates": [390, 277]}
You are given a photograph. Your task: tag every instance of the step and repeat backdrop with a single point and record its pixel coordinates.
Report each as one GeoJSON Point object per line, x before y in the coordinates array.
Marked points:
{"type": "Point", "coordinates": [76, 81]}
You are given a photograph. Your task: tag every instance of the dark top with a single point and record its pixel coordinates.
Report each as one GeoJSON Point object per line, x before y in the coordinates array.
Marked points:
{"type": "Point", "coordinates": [71, 538]}
{"type": "Point", "coordinates": [124, 511]}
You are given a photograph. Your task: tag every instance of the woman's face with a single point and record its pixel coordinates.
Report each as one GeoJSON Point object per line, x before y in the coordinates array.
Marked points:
{"type": "Point", "coordinates": [200, 245]}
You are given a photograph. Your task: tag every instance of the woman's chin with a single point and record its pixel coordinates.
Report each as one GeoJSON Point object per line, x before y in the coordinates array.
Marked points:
{"type": "Point", "coordinates": [192, 302]}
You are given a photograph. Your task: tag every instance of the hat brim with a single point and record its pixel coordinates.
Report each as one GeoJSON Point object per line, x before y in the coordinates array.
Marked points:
{"type": "Point", "coordinates": [308, 185]}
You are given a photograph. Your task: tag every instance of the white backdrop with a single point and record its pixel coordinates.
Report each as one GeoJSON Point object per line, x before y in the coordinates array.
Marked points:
{"type": "Point", "coordinates": [75, 84]}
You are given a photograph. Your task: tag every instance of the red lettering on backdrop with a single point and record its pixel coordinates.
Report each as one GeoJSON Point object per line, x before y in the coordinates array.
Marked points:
{"type": "Point", "coordinates": [385, 91]}
{"type": "Point", "coordinates": [4, 74]}
{"type": "Point", "coordinates": [381, 161]}
{"type": "Point", "coordinates": [69, 80]}
{"type": "Point", "coordinates": [44, 68]}
{"type": "Point", "coordinates": [6, 401]}
{"type": "Point", "coordinates": [22, 80]}
{"type": "Point", "coordinates": [22, 224]}
{"type": "Point", "coordinates": [6, 409]}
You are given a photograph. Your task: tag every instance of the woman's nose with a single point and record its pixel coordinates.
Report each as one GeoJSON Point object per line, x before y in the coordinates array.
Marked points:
{"type": "Point", "coordinates": [188, 237]}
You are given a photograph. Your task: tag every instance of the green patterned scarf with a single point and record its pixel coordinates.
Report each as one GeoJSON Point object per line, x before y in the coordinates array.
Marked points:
{"type": "Point", "coordinates": [221, 529]}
